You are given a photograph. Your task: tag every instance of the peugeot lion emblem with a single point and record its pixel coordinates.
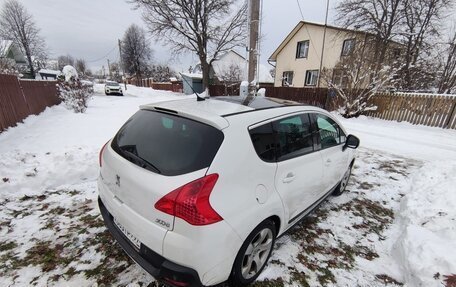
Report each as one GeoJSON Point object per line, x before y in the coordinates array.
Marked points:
{"type": "Point", "coordinates": [118, 180]}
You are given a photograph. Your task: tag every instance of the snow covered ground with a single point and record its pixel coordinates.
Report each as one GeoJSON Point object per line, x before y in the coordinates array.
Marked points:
{"type": "Point", "coordinates": [396, 225]}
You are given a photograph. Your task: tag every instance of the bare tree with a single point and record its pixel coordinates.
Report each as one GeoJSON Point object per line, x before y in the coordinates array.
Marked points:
{"type": "Point", "coordinates": [447, 77]}
{"type": "Point", "coordinates": [421, 25]}
{"type": "Point", "coordinates": [81, 66]}
{"type": "Point", "coordinates": [64, 60]}
{"type": "Point", "coordinates": [231, 74]}
{"type": "Point", "coordinates": [136, 52]}
{"type": "Point", "coordinates": [378, 17]}
{"type": "Point", "coordinates": [206, 27]}
{"type": "Point", "coordinates": [18, 25]}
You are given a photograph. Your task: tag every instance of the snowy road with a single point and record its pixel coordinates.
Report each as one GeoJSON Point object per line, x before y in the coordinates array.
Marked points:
{"type": "Point", "coordinates": [396, 225]}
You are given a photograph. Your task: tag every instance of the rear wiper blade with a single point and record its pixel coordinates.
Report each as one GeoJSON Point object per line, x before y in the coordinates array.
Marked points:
{"type": "Point", "coordinates": [140, 161]}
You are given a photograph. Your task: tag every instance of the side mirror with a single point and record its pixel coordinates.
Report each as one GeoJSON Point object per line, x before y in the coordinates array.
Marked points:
{"type": "Point", "coordinates": [351, 142]}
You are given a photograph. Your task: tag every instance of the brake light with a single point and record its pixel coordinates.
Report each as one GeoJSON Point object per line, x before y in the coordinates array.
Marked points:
{"type": "Point", "coordinates": [191, 202]}
{"type": "Point", "coordinates": [100, 156]}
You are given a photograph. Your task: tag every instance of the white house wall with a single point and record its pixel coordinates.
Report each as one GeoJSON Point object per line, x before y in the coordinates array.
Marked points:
{"type": "Point", "coordinates": [222, 65]}
{"type": "Point", "coordinates": [287, 61]}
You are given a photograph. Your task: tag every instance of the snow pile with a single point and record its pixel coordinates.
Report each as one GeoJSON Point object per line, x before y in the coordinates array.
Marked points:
{"type": "Point", "coordinates": [70, 73]}
{"type": "Point", "coordinates": [427, 246]}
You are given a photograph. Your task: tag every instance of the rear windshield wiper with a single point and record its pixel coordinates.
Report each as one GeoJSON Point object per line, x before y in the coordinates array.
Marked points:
{"type": "Point", "coordinates": [138, 160]}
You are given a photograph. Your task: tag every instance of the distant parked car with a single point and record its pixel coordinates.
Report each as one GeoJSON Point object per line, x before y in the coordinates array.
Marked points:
{"type": "Point", "coordinates": [196, 192]}
{"type": "Point", "coordinates": [113, 88]}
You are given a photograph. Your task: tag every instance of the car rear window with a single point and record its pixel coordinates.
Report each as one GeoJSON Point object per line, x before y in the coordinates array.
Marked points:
{"type": "Point", "coordinates": [167, 144]}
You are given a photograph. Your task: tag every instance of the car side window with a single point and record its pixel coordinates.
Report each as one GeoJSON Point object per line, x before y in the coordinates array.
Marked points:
{"type": "Point", "coordinates": [329, 132]}
{"type": "Point", "coordinates": [264, 142]}
{"type": "Point", "coordinates": [294, 136]}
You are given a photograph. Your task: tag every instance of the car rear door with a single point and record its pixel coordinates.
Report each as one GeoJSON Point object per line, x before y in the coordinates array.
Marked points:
{"type": "Point", "coordinates": [299, 175]}
{"type": "Point", "coordinates": [153, 154]}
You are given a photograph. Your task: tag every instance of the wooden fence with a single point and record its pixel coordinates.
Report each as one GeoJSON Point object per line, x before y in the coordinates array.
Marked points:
{"type": "Point", "coordinates": [173, 87]}
{"type": "Point", "coordinates": [21, 98]}
{"type": "Point", "coordinates": [310, 96]}
{"type": "Point", "coordinates": [420, 109]}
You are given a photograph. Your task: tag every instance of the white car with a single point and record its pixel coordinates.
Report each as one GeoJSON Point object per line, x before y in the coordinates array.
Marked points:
{"type": "Point", "coordinates": [196, 192]}
{"type": "Point", "coordinates": [113, 88]}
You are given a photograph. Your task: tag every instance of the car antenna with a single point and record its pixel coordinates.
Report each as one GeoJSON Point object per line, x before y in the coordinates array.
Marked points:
{"type": "Point", "coordinates": [198, 98]}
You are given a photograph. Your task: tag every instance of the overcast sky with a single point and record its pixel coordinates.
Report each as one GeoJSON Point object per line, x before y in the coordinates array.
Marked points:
{"type": "Point", "coordinates": [89, 29]}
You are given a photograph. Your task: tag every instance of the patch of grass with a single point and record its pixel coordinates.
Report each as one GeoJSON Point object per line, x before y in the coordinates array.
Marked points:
{"type": "Point", "coordinates": [365, 185]}
{"type": "Point", "coordinates": [57, 211]}
{"type": "Point", "coordinates": [393, 167]}
{"type": "Point", "coordinates": [269, 283]}
{"type": "Point", "coordinates": [16, 213]}
{"type": "Point", "coordinates": [25, 198]}
{"type": "Point", "coordinates": [45, 255]}
{"type": "Point", "coordinates": [300, 277]}
{"type": "Point", "coordinates": [326, 277]}
{"type": "Point", "coordinates": [51, 224]}
{"type": "Point", "coordinates": [388, 280]}
{"type": "Point", "coordinates": [5, 246]}
{"type": "Point", "coordinates": [74, 192]}
{"type": "Point", "coordinates": [114, 262]}
{"type": "Point", "coordinates": [376, 218]}
{"type": "Point", "coordinates": [71, 272]}
{"type": "Point", "coordinates": [92, 221]}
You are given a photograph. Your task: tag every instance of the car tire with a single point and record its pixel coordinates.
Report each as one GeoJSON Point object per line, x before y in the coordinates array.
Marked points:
{"type": "Point", "coordinates": [106, 94]}
{"type": "Point", "coordinates": [247, 267]}
{"type": "Point", "coordinates": [343, 183]}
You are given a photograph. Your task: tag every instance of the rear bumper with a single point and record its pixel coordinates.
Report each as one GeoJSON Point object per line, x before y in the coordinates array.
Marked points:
{"type": "Point", "coordinates": [150, 261]}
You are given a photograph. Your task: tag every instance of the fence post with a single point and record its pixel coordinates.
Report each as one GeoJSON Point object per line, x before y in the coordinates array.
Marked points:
{"type": "Point", "coordinates": [452, 113]}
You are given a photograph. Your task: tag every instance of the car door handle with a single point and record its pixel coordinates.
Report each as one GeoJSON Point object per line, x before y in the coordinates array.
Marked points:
{"type": "Point", "coordinates": [290, 177]}
{"type": "Point", "coordinates": [328, 161]}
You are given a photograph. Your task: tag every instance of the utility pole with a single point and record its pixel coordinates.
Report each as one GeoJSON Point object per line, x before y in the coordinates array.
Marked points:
{"type": "Point", "coordinates": [109, 69]}
{"type": "Point", "coordinates": [121, 64]}
{"type": "Point", "coordinates": [253, 46]}
{"type": "Point", "coordinates": [323, 45]}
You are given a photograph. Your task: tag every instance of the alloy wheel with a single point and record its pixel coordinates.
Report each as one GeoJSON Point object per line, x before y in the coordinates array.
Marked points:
{"type": "Point", "coordinates": [257, 253]}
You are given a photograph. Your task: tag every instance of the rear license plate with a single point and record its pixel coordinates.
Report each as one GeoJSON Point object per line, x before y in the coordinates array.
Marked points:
{"type": "Point", "coordinates": [127, 234]}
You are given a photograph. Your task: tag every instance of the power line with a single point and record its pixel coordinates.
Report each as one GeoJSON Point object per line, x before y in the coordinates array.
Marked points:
{"type": "Point", "coordinates": [307, 29]}
{"type": "Point", "coordinates": [300, 10]}
{"type": "Point", "coordinates": [102, 58]}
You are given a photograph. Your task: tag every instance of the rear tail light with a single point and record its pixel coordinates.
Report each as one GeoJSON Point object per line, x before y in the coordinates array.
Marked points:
{"type": "Point", "coordinates": [191, 202]}
{"type": "Point", "coordinates": [100, 156]}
